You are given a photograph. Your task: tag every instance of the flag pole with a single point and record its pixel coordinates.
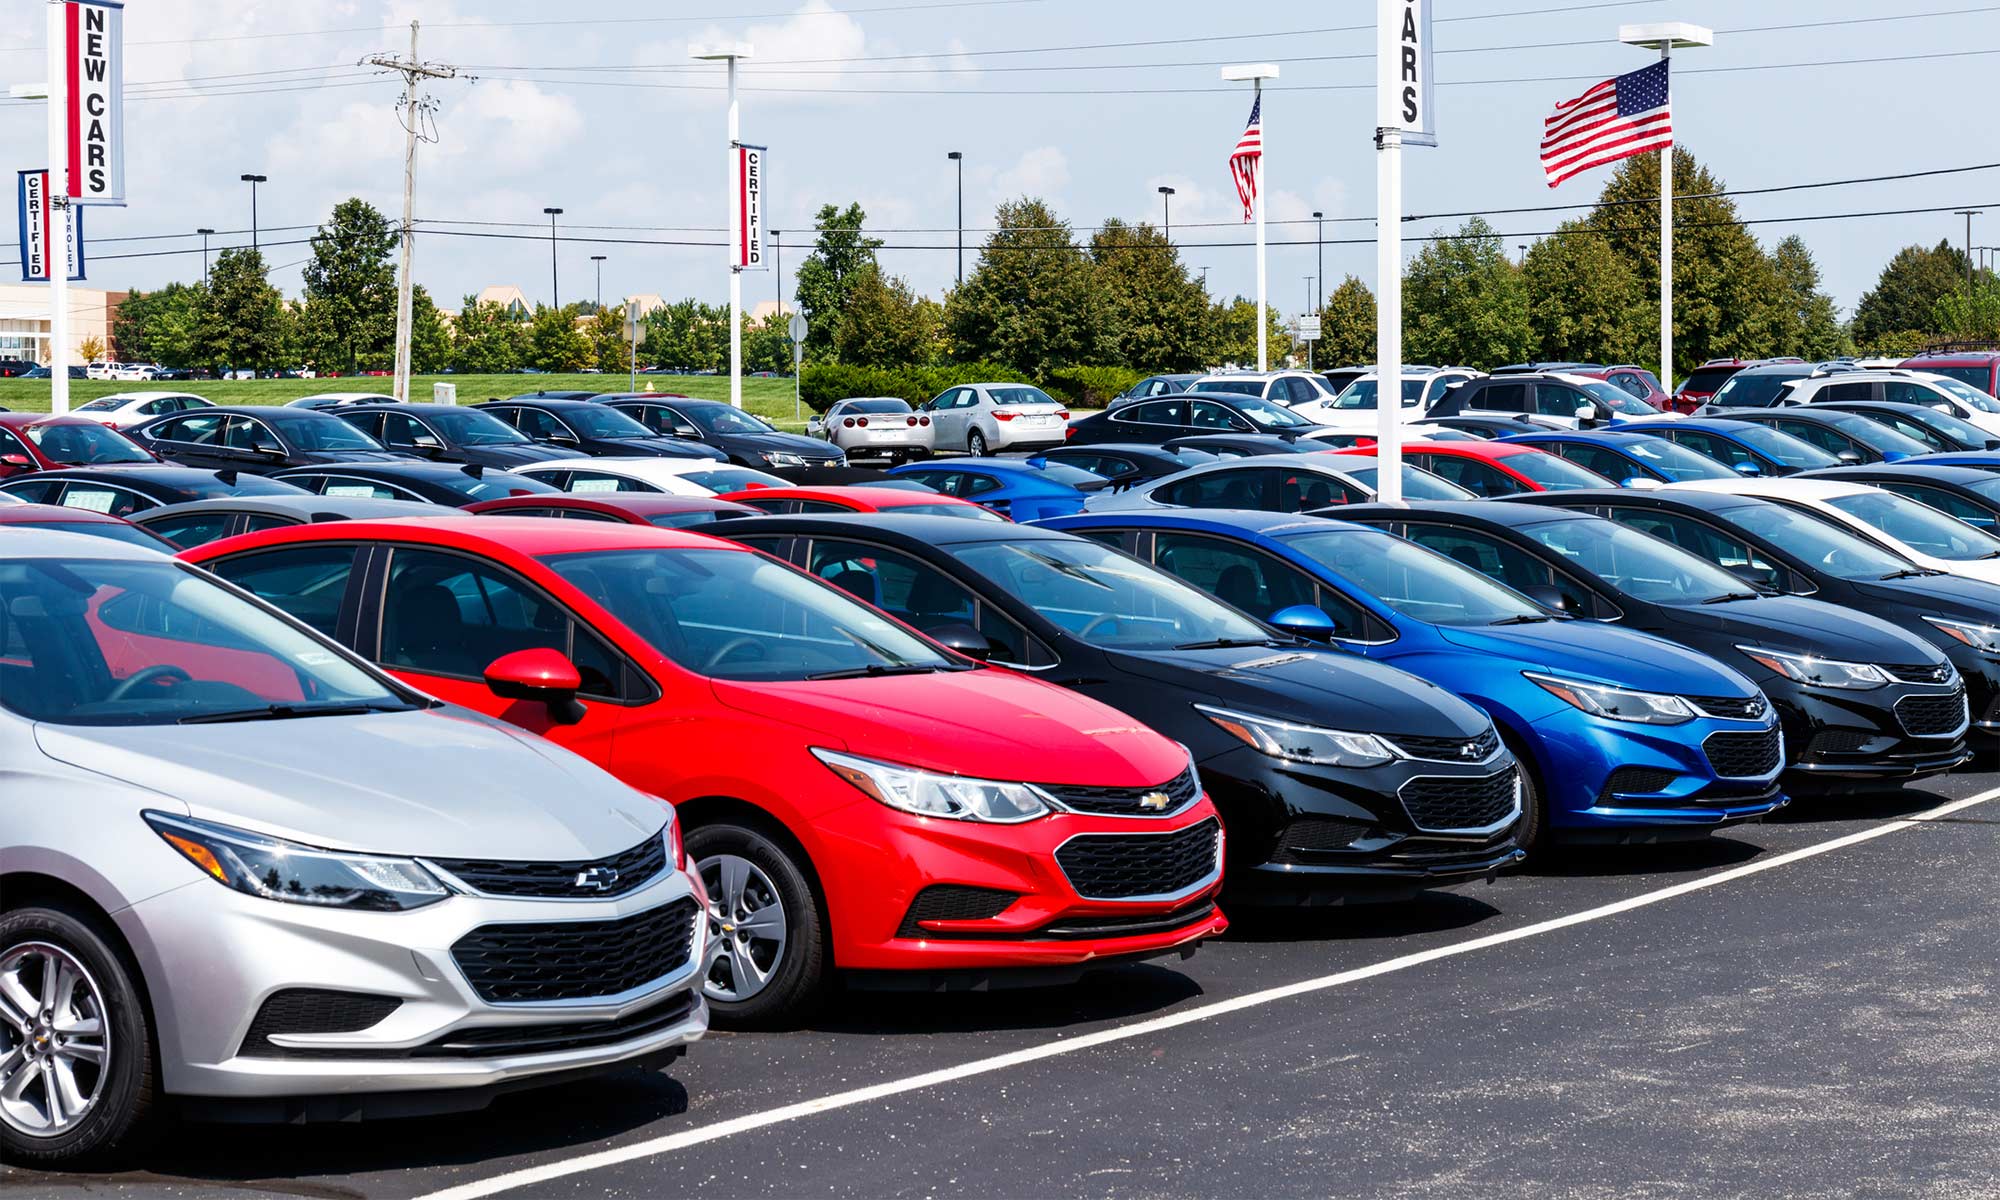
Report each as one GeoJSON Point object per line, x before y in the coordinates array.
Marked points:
{"type": "Point", "coordinates": [1257, 73]}
{"type": "Point", "coordinates": [1666, 37]}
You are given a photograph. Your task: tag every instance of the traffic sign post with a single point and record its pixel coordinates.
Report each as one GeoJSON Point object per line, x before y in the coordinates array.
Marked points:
{"type": "Point", "coordinates": [796, 328]}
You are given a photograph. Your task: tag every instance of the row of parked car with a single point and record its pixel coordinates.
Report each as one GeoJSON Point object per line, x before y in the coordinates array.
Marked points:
{"type": "Point", "coordinates": [503, 772]}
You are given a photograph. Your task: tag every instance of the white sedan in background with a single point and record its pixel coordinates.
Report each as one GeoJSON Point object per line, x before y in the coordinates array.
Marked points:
{"type": "Point", "coordinates": [1920, 533]}
{"type": "Point", "coordinates": [123, 410]}
{"type": "Point", "coordinates": [673, 476]}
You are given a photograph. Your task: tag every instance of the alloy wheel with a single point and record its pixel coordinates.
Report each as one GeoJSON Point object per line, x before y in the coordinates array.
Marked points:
{"type": "Point", "coordinates": [746, 923]}
{"type": "Point", "coordinates": [55, 1043]}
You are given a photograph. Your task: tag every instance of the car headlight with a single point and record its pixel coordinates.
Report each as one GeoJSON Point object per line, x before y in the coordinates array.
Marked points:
{"type": "Point", "coordinates": [928, 794]}
{"type": "Point", "coordinates": [1985, 638]}
{"type": "Point", "coordinates": [274, 869]}
{"type": "Point", "coordinates": [1819, 672]}
{"type": "Point", "coordinates": [1302, 743]}
{"type": "Point", "coordinates": [783, 458]}
{"type": "Point", "coordinates": [1616, 704]}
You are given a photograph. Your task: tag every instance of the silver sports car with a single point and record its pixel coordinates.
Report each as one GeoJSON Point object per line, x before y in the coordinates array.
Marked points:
{"type": "Point", "coordinates": [876, 428]}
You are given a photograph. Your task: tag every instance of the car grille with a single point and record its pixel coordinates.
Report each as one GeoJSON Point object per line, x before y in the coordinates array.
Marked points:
{"type": "Point", "coordinates": [1182, 790]}
{"type": "Point", "coordinates": [1126, 926]}
{"type": "Point", "coordinates": [953, 902]}
{"type": "Point", "coordinates": [1637, 781]}
{"type": "Point", "coordinates": [1836, 741]}
{"type": "Point", "coordinates": [1931, 716]}
{"type": "Point", "coordinates": [1308, 835]}
{"type": "Point", "coordinates": [1455, 804]}
{"type": "Point", "coordinates": [1440, 749]}
{"type": "Point", "coordinates": [312, 1010]}
{"type": "Point", "coordinates": [1938, 674]}
{"type": "Point", "coordinates": [1730, 708]}
{"type": "Point", "coordinates": [628, 871]}
{"type": "Point", "coordinates": [1742, 755]}
{"type": "Point", "coordinates": [576, 960]}
{"type": "Point", "coordinates": [1121, 866]}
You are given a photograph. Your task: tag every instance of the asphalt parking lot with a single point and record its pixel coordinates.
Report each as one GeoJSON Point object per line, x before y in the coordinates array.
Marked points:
{"type": "Point", "coordinates": [1804, 1007]}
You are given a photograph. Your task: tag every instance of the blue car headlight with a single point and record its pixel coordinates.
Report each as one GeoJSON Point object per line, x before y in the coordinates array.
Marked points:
{"type": "Point", "coordinates": [1616, 704]}
{"type": "Point", "coordinates": [1819, 672]}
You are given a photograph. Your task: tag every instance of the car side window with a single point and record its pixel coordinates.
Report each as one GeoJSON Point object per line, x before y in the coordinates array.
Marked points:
{"type": "Point", "coordinates": [1489, 556]}
{"type": "Point", "coordinates": [1945, 502]}
{"type": "Point", "coordinates": [309, 582]}
{"type": "Point", "coordinates": [1298, 391]}
{"type": "Point", "coordinates": [538, 424]}
{"type": "Point", "coordinates": [1846, 391]}
{"type": "Point", "coordinates": [401, 429]}
{"type": "Point", "coordinates": [1304, 491]}
{"type": "Point", "coordinates": [1819, 435]}
{"type": "Point", "coordinates": [675, 423]}
{"type": "Point", "coordinates": [245, 433]}
{"type": "Point", "coordinates": [256, 522]}
{"type": "Point", "coordinates": [941, 481]}
{"type": "Point", "coordinates": [1555, 400]}
{"type": "Point", "coordinates": [1503, 397]}
{"type": "Point", "coordinates": [1902, 391]}
{"type": "Point", "coordinates": [1157, 412]}
{"type": "Point", "coordinates": [974, 484]}
{"type": "Point", "coordinates": [196, 430]}
{"type": "Point", "coordinates": [914, 592]}
{"type": "Point", "coordinates": [1481, 479]}
{"type": "Point", "coordinates": [1206, 414]}
{"type": "Point", "coordinates": [1608, 463]}
{"type": "Point", "coordinates": [1698, 539]}
{"type": "Point", "coordinates": [819, 506]}
{"type": "Point", "coordinates": [598, 481]}
{"type": "Point", "coordinates": [192, 529]}
{"type": "Point", "coordinates": [1247, 487]}
{"type": "Point", "coordinates": [1248, 579]}
{"type": "Point", "coordinates": [34, 491]}
{"type": "Point", "coordinates": [1721, 449]}
{"type": "Point", "coordinates": [1631, 383]}
{"type": "Point", "coordinates": [10, 444]}
{"type": "Point", "coordinates": [444, 614]}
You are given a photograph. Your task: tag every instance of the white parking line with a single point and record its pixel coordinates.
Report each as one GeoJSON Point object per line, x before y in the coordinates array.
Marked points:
{"type": "Point", "coordinates": [531, 1176]}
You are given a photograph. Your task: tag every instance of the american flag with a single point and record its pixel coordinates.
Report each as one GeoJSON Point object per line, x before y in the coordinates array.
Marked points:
{"type": "Point", "coordinates": [1616, 119]}
{"type": "Point", "coordinates": [1246, 158]}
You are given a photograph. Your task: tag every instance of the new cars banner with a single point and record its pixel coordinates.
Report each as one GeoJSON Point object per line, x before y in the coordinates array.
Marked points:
{"type": "Point", "coordinates": [35, 217]}
{"type": "Point", "coordinates": [749, 202]}
{"type": "Point", "coordinates": [94, 60]}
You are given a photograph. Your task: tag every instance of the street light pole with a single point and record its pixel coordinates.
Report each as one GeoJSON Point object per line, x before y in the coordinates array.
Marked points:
{"type": "Point", "coordinates": [1968, 214]}
{"type": "Point", "coordinates": [555, 291]}
{"type": "Point", "coordinates": [958, 157]}
{"type": "Point", "coordinates": [1319, 240]}
{"type": "Point", "coordinates": [253, 181]}
{"type": "Point", "coordinates": [599, 260]}
{"type": "Point", "coordinates": [731, 55]}
{"type": "Point", "coordinates": [1256, 74]}
{"type": "Point", "coordinates": [204, 252]}
{"type": "Point", "coordinates": [1522, 261]}
{"type": "Point", "coordinates": [1167, 212]}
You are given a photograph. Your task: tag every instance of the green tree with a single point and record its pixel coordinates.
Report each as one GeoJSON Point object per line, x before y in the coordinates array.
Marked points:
{"type": "Point", "coordinates": [556, 343]}
{"type": "Point", "coordinates": [767, 345]}
{"type": "Point", "coordinates": [1347, 326]}
{"type": "Point", "coordinates": [1904, 299]}
{"type": "Point", "coordinates": [1969, 314]}
{"type": "Point", "coordinates": [883, 325]}
{"type": "Point", "coordinates": [157, 326]}
{"type": "Point", "coordinates": [240, 322]}
{"type": "Point", "coordinates": [1232, 334]}
{"type": "Point", "coordinates": [841, 253]}
{"type": "Point", "coordinates": [1584, 302]}
{"type": "Point", "coordinates": [1464, 304]}
{"type": "Point", "coordinates": [608, 344]}
{"type": "Point", "coordinates": [687, 334]}
{"type": "Point", "coordinates": [1156, 314]}
{"type": "Point", "coordinates": [430, 337]}
{"type": "Point", "coordinates": [1808, 323]}
{"type": "Point", "coordinates": [349, 310]}
{"type": "Point", "coordinates": [1032, 301]}
{"type": "Point", "coordinates": [486, 339]}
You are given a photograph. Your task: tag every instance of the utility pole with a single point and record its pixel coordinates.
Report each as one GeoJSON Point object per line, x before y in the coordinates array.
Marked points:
{"type": "Point", "coordinates": [599, 260]}
{"type": "Point", "coordinates": [413, 70]}
{"type": "Point", "coordinates": [1319, 240]}
{"type": "Point", "coordinates": [778, 244]}
{"type": "Point", "coordinates": [1968, 214]}
{"type": "Point", "coordinates": [555, 287]}
{"type": "Point", "coordinates": [204, 252]}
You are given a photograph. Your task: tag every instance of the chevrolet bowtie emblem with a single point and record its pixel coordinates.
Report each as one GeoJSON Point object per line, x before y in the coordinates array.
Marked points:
{"type": "Point", "coordinates": [597, 878]}
{"type": "Point", "coordinates": [1156, 801]}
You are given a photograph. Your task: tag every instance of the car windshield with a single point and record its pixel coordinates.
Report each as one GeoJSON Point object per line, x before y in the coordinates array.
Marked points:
{"type": "Point", "coordinates": [322, 432]}
{"type": "Point", "coordinates": [84, 443]}
{"type": "Point", "coordinates": [1706, 379]}
{"type": "Point", "coordinates": [1105, 598]}
{"type": "Point", "coordinates": [1782, 446]}
{"type": "Point", "coordinates": [732, 479]}
{"type": "Point", "coordinates": [1617, 399]}
{"type": "Point", "coordinates": [1751, 389]}
{"type": "Point", "coordinates": [1988, 487]}
{"type": "Point", "coordinates": [212, 486]}
{"type": "Point", "coordinates": [1361, 393]}
{"type": "Point", "coordinates": [88, 641]}
{"type": "Point", "coordinates": [104, 404]}
{"type": "Point", "coordinates": [1020, 395]}
{"type": "Point", "coordinates": [971, 512]}
{"type": "Point", "coordinates": [720, 418]}
{"type": "Point", "coordinates": [686, 520]}
{"type": "Point", "coordinates": [1971, 396]}
{"type": "Point", "coordinates": [464, 427]}
{"type": "Point", "coordinates": [1674, 461]}
{"type": "Point", "coordinates": [1418, 484]}
{"type": "Point", "coordinates": [488, 485]}
{"type": "Point", "coordinates": [1918, 526]}
{"type": "Point", "coordinates": [1075, 477]}
{"type": "Point", "coordinates": [1635, 563]}
{"type": "Point", "coordinates": [1958, 429]}
{"type": "Point", "coordinates": [1268, 415]}
{"type": "Point", "coordinates": [1820, 542]}
{"type": "Point", "coordinates": [875, 406]}
{"type": "Point", "coordinates": [596, 421]}
{"type": "Point", "coordinates": [1553, 473]}
{"type": "Point", "coordinates": [731, 614]}
{"type": "Point", "coordinates": [1874, 435]}
{"type": "Point", "coordinates": [1977, 377]}
{"type": "Point", "coordinates": [1416, 582]}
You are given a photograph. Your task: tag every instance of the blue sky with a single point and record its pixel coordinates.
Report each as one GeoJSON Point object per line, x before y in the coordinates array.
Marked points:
{"type": "Point", "coordinates": [599, 111]}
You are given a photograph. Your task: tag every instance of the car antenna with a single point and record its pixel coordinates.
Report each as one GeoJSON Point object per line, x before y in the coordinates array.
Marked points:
{"type": "Point", "coordinates": [227, 475]}
{"type": "Point", "coordinates": [475, 470]}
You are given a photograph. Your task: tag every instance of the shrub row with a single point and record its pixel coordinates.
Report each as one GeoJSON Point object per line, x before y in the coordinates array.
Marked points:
{"type": "Point", "coordinates": [1085, 387]}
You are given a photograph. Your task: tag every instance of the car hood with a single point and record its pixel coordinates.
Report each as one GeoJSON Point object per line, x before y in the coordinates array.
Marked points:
{"type": "Point", "coordinates": [1603, 654]}
{"type": "Point", "coordinates": [438, 782]}
{"type": "Point", "coordinates": [790, 443]}
{"type": "Point", "coordinates": [1312, 686]}
{"type": "Point", "coordinates": [658, 447]}
{"type": "Point", "coordinates": [988, 723]}
{"type": "Point", "coordinates": [513, 455]}
{"type": "Point", "coordinates": [1945, 595]}
{"type": "Point", "coordinates": [1791, 623]}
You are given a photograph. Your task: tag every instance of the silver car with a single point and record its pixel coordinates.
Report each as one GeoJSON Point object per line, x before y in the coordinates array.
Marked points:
{"type": "Point", "coordinates": [980, 418]}
{"type": "Point", "coordinates": [1274, 483]}
{"type": "Point", "coordinates": [242, 871]}
{"type": "Point", "coordinates": [882, 428]}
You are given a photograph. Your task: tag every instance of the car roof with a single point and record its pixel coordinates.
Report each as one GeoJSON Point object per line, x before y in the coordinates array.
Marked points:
{"type": "Point", "coordinates": [882, 497]}
{"type": "Point", "coordinates": [413, 469]}
{"type": "Point", "coordinates": [1962, 357]}
{"type": "Point", "coordinates": [1705, 501]}
{"type": "Point", "coordinates": [21, 420]}
{"type": "Point", "coordinates": [1788, 369]}
{"type": "Point", "coordinates": [164, 474]}
{"type": "Point", "coordinates": [907, 528]}
{"type": "Point", "coordinates": [1509, 516]}
{"type": "Point", "coordinates": [1480, 450]}
{"type": "Point", "coordinates": [134, 397]}
{"type": "Point", "coordinates": [1212, 520]}
{"type": "Point", "coordinates": [37, 514]}
{"type": "Point", "coordinates": [550, 402]}
{"type": "Point", "coordinates": [1789, 487]}
{"type": "Point", "coordinates": [994, 466]}
{"type": "Point", "coordinates": [308, 505]}
{"type": "Point", "coordinates": [529, 536]}
{"type": "Point", "coordinates": [50, 543]}
{"type": "Point", "coordinates": [420, 408]}
{"type": "Point", "coordinates": [1324, 463]}
{"type": "Point", "coordinates": [268, 412]}
{"type": "Point", "coordinates": [1723, 426]}
{"type": "Point", "coordinates": [1915, 472]}
{"type": "Point", "coordinates": [386, 397]}
{"type": "Point", "coordinates": [636, 465]}
{"type": "Point", "coordinates": [1597, 437]}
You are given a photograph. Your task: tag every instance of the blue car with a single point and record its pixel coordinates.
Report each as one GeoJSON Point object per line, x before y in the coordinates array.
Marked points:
{"type": "Point", "coordinates": [1623, 732]}
{"type": "Point", "coordinates": [1978, 460]}
{"type": "Point", "coordinates": [1633, 459]}
{"type": "Point", "coordinates": [1743, 447]}
{"type": "Point", "coordinates": [1017, 488]}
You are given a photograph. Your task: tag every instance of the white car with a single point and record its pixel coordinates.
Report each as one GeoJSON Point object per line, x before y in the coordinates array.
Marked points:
{"type": "Point", "coordinates": [1299, 390]}
{"type": "Point", "coordinates": [340, 400]}
{"type": "Point", "coordinates": [1274, 483]}
{"type": "Point", "coordinates": [1918, 532]}
{"type": "Point", "coordinates": [123, 410]}
{"type": "Point", "coordinates": [103, 370]}
{"type": "Point", "coordinates": [1355, 409]}
{"type": "Point", "coordinates": [981, 418]}
{"type": "Point", "coordinates": [878, 427]}
{"type": "Point", "coordinates": [674, 476]}
{"type": "Point", "coordinates": [1940, 392]}
{"type": "Point", "coordinates": [137, 372]}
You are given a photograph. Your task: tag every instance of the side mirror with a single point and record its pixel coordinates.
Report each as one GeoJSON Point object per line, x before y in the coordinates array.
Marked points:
{"type": "Point", "coordinates": [1550, 597]}
{"type": "Point", "coordinates": [564, 439]}
{"type": "Point", "coordinates": [963, 638]}
{"type": "Point", "coordinates": [1993, 443]}
{"type": "Point", "coordinates": [1642, 483]}
{"type": "Point", "coordinates": [1308, 621]}
{"type": "Point", "coordinates": [426, 442]}
{"type": "Point", "coordinates": [17, 460]}
{"type": "Point", "coordinates": [1849, 457]}
{"type": "Point", "coordinates": [1586, 414]}
{"type": "Point", "coordinates": [538, 675]}
{"type": "Point", "coordinates": [1752, 469]}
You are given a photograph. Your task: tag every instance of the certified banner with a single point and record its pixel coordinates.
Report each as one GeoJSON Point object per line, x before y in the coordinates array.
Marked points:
{"type": "Point", "coordinates": [749, 208]}
{"type": "Point", "coordinates": [94, 54]}
{"type": "Point", "coordinates": [35, 218]}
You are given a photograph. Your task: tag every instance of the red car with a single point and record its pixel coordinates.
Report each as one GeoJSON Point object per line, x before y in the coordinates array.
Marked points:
{"type": "Point", "coordinates": [40, 442]}
{"type": "Point", "coordinates": [857, 797]}
{"type": "Point", "coordinates": [1496, 468]}
{"type": "Point", "coordinates": [58, 519]}
{"type": "Point", "coordinates": [630, 508]}
{"type": "Point", "coordinates": [1641, 383]}
{"type": "Point", "coordinates": [861, 499]}
{"type": "Point", "coordinates": [1980, 368]}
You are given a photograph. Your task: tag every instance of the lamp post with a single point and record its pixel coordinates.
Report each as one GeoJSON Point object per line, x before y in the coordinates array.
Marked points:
{"type": "Point", "coordinates": [1522, 249]}
{"type": "Point", "coordinates": [555, 291]}
{"type": "Point", "coordinates": [1968, 214]}
{"type": "Point", "coordinates": [1167, 211]}
{"type": "Point", "coordinates": [731, 55]}
{"type": "Point", "coordinates": [1666, 37]}
{"type": "Point", "coordinates": [253, 181]}
{"type": "Point", "coordinates": [958, 158]}
{"type": "Point", "coordinates": [1256, 74]}
{"type": "Point", "coordinates": [599, 260]}
{"type": "Point", "coordinates": [1319, 242]}
{"type": "Point", "coordinates": [204, 252]}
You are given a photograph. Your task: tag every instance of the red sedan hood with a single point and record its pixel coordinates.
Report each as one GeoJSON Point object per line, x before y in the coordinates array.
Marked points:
{"type": "Point", "coordinates": [989, 724]}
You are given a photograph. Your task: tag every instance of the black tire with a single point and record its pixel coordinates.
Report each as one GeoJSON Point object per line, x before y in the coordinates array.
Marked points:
{"type": "Point", "coordinates": [1534, 809]}
{"type": "Point", "coordinates": [127, 1102]}
{"type": "Point", "coordinates": [800, 977]}
{"type": "Point", "coordinates": [975, 444]}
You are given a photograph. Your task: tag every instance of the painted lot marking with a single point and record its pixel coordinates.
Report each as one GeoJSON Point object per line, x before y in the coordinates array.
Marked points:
{"type": "Point", "coordinates": [548, 1172]}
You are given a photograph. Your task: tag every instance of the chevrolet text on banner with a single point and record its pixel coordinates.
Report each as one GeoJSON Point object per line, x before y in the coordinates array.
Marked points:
{"type": "Point", "coordinates": [1408, 105]}
{"type": "Point", "coordinates": [750, 207]}
{"type": "Point", "coordinates": [95, 58]}
{"type": "Point", "coordinates": [35, 216]}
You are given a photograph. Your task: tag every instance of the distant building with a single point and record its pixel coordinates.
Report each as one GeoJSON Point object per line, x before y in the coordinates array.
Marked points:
{"type": "Point", "coordinates": [763, 309]}
{"type": "Point", "coordinates": [645, 302]}
{"type": "Point", "coordinates": [507, 296]}
{"type": "Point", "coordinates": [24, 319]}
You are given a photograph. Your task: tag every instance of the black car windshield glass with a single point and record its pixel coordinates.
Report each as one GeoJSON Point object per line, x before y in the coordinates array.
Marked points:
{"type": "Point", "coordinates": [1008, 396]}
{"type": "Point", "coordinates": [1418, 484]}
{"type": "Point", "coordinates": [1419, 583]}
{"type": "Point", "coordinates": [1075, 477]}
{"type": "Point", "coordinates": [595, 421]}
{"type": "Point", "coordinates": [1555, 474]}
{"type": "Point", "coordinates": [320, 432]}
{"type": "Point", "coordinates": [1105, 598]}
{"type": "Point", "coordinates": [1777, 444]}
{"type": "Point", "coordinates": [729, 614]}
{"type": "Point", "coordinates": [1918, 526]}
{"type": "Point", "coordinates": [1268, 415]}
{"type": "Point", "coordinates": [720, 418]}
{"type": "Point", "coordinates": [971, 512]}
{"type": "Point", "coordinates": [1361, 393]}
{"type": "Point", "coordinates": [1674, 461]}
{"type": "Point", "coordinates": [467, 428]}
{"type": "Point", "coordinates": [1748, 390]}
{"type": "Point", "coordinates": [1873, 434]}
{"type": "Point", "coordinates": [732, 479]}
{"type": "Point", "coordinates": [1706, 379]}
{"type": "Point", "coordinates": [116, 531]}
{"type": "Point", "coordinates": [685, 520]}
{"type": "Point", "coordinates": [875, 406]}
{"type": "Point", "coordinates": [493, 485]}
{"type": "Point", "coordinates": [1635, 563]}
{"type": "Point", "coordinates": [84, 444]}
{"type": "Point", "coordinates": [163, 644]}
{"type": "Point", "coordinates": [1817, 541]}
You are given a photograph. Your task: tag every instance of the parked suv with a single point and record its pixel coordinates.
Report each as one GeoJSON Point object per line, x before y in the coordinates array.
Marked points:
{"type": "Point", "coordinates": [1705, 380]}
{"type": "Point", "coordinates": [1980, 368]}
{"type": "Point", "coordinates": [1574, 400]}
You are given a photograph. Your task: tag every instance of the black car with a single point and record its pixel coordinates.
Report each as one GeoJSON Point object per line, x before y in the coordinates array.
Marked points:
{"type": "Point", "coordinates": [426, 483]}
{"type": "Point", "coordinates": [1155, 422]}
{"type": "Point", "coordinates": [582, 427]}
{"type": "Point", "coordinates": [1488, 427]}
{"type": "Point", "coordinates": [1755, 386]}
{"type": "Point", "coordinates": [1154, 385]}
{"type": "Point", "coordinates": [1938, 431]}
{"type": "Point", "coordinates": [1744, 446]}
{"type": "Point", "coordinates": [123, 491]}
{"type": "Point", "coordinates": [1849, 437]}
{"type": "Point", "coordinates": [1858, 698]}
{"type": "Point", "coordinates": [1970, 494]}
{"type": "Point", "coordinates": [555, 395]}
{"type": "Point", "coordinates": [198, 522]}
{"type": "Point", "coordinates": [13, 368]}
{"type": "Point", "coordinates": [1567, 399]}
{"type": "Point", "coordinates": [1236, 445]}
{"type": "Point", "coordinates": [259, 440]}
{"type": "Point", "coordinates": [450, 434]}
{"type": "Point", "coordinates": [1125, 466]}
{"type": "Point", "coordinates": [1337, 778]}
{"type": "Point", "coordinates": [743, 438]}
{"type": "Point", "coordinates": [1777, 547]}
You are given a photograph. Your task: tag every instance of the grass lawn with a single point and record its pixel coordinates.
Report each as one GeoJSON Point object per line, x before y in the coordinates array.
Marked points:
{"type": "Point", "coordinates": [768, 398]}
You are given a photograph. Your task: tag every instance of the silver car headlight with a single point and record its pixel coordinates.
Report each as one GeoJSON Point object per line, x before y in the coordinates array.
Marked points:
{"type": "Point", "coordinates": [1302, 743]}
{"type": "Point", "coordinates": [1616, 704]}
{"type": "Point", "coordinates": [928, 794]}
{"type": "Point", "coordinates": [1984, 638]}
{"type": "Point", "coordinates": [1819, 672]}
{"type": "Point", "coordinates": [275, 869]}
{"type": "Point", "coordinates": [783, 458]}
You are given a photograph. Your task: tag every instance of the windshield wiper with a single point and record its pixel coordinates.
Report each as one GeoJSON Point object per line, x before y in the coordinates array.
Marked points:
{"type": "Point", "coordinates": [283, 712]}
{"type": "Point", "coordinates": [1522, 619]}
{"type": "Point", "coordinates": [1912, 573]}
{"type": "Point", "coordinates": [1232, 643]}
{"type": "Point", "coordinates": [872, 670]}
{"type": "Point", "coordinates": [1727, 597]}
